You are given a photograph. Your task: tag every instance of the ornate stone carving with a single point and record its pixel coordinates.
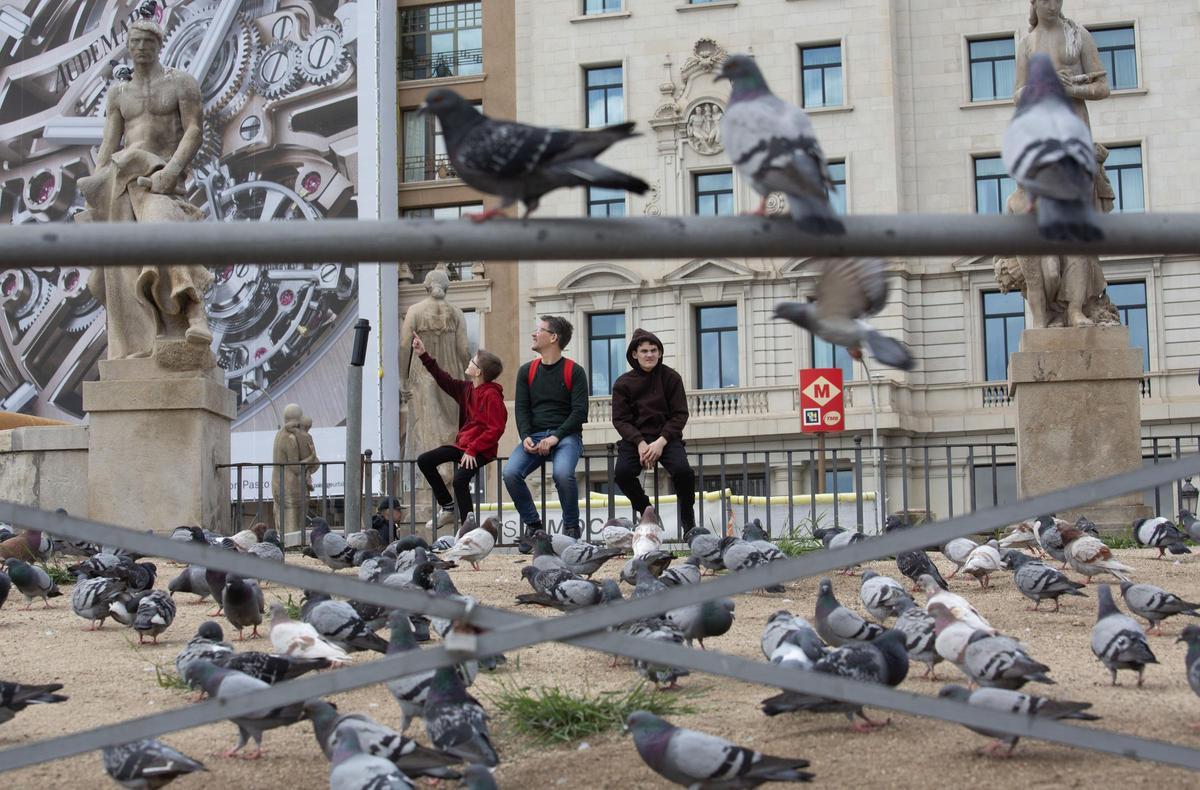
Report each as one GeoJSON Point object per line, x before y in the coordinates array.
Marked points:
{"type": "Point", "coordinates": [776, 204]}
{"type": "Point", "coordinates": [704, 128]}
{"type": "Point", "coordinates": [707, 57]}
{"type": "Point", "coordinates": [653, 207]}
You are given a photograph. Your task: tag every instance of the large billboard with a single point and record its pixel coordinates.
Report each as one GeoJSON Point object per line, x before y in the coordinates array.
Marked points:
{"type": "Point", "coordinates": [278, 81]}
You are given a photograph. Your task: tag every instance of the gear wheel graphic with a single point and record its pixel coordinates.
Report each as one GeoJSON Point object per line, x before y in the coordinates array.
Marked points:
{"type": "Point", "coordinates": [226, 86]}
{"type": "Point", "coordinates": [325, 55]}
{"type": "Point", "coordinates": [277, 72]}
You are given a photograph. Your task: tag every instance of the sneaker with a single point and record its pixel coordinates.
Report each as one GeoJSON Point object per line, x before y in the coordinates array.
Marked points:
{"type": "Point", "coordinates": [573, 531]}
{"type": "Point", "coordinates": [444, 517]}
{"type": "Point", "coordinates": [524, 544]}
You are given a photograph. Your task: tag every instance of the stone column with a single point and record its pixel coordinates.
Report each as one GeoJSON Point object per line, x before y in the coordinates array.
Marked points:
{"type": "Point", "coordinates": [155, 437]}
{"type": "Point", "coordinates": [1079, 415]}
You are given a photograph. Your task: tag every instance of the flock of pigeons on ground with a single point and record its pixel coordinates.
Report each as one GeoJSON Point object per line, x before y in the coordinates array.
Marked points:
{"type": "Point", "coordinates": [838, 641]}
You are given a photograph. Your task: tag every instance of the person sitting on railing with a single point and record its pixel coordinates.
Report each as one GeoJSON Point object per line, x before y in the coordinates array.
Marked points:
{"type": "Point", "coordinates": [482, 417]}
{"type": "Point", "coordinates": [552, 406]}
{"type": "Point", "coordinates": [649, 410]}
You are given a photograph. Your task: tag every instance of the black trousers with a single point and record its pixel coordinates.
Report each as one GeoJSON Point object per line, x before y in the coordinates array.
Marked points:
{"type": "Point", "coordinates": [674, 460]}
{"type": "Point", "coordinates": [428, 463]}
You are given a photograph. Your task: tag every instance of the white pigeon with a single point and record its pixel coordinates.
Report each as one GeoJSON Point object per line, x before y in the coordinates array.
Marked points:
{"type": "Point", "coordinates": [294, 638]}
{"type": "Point", "coordinates": [248, 537]}
{"type": "Point", "coordinates": [982, 562]}
{"type": "Point", "coordinates": [957, 550]}
{"type": "Point", "coordinates": [1021, 536]}
{"type": "Point", "coordinates": [959, 607]}
{"type": "Point", "coordinates": [1088, 555]}
{"type": "Point", "coordinates": [647, 536]}
{"type": "Point", "coordinates": [475, 545]}
{"type": "Point", "coordinates": [617, 533]}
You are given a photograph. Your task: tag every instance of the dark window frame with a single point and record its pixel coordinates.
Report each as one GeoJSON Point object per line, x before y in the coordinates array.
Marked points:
{"type": "Point", "coordinates": [998, 180]}
{"type": "Point", "coordinates": [606, 203]}
{"type": "Point", "coordinates": [605, 89]}
{"type": "Point", "coordinates": [1110, 50]}
{"type": "Point", "coordinates": [1006, 316]}
{"type": "Point", "coordinates": [414, 23]}
{"type": "Point", "coordinates": [1119, 172]}
{"type": "Point", "coordinates": [1123, 313]}
{"type": "Point", "coordinates": [592, 7]}
{"type": "Point", "coordinates": [844, 195]}
{"type": "Point", "coordinates": [593, 379]}
{"type": "Point", "coordinates": [823, 68]}
{"type": "Point", "coordinates": [698, 194]}
{"type": "Point", "coordinates": [719, 331]}
{"type": "Point", "coordinates": [838, 351]}
{"type": "Point", "coordinates": [972, 60]}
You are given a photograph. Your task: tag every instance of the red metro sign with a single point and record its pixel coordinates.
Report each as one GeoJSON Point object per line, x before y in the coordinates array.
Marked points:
{"type": "Point", "coordinates": [821, 406]}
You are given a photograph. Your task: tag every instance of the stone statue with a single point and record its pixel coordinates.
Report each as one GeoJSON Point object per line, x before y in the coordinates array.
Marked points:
{"type": "Point", "coordinates": [308, 453]}
{"type": "Point", "coordinates": [1062, 290]}
{"type": "Point", "coordinates": [152, 130]}
{"type": "Point", "coordinates": [704, 128]}
{"type": "Point", "coordinates": [289, 484]}
{"type": "Point", "coordinates": [432, 414]}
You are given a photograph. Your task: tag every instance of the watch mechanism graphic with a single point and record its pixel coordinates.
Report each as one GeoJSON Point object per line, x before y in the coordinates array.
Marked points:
{"type": "Point", "coordinates": [280, 143]}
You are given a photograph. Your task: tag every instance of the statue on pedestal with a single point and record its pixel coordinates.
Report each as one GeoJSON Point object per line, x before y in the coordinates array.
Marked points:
{"type": "Point", "coordinates": [152, 131]}
{"type": "Point", "coordinates": [308, 454]}
{"type": "Point", "coordinates": [1062, 290]}
{"type": "Point", "coordinates": [289, 484]}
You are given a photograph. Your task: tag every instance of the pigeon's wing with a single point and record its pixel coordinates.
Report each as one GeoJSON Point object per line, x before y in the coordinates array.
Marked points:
{"type": "Point", "coordinates": [1041, 137]}
{"type": "Point", "coordinates": [512, 150]}
{"type": "Point", "coordinates": [851, 287]}
{"type": "Point", "coordinates": [859, 662]}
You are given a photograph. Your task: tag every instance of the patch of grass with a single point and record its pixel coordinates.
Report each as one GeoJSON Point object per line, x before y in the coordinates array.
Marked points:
{"type": "Point", "coordinates": [293, 608]}
{"type": "Point", "coordinates": [795, 546]}
{"type": "Point", "coordinates": [555, 716]}
{"type": "Point", "coordinates": [58, 573]}
{"type": "Point", "coordinates": [1120, 541]}
{"type": "Point", "coordinates": [164, 674]}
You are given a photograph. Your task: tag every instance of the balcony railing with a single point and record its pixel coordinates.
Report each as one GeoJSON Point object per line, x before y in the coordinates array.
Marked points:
{"type": "Point", "coordinates": [459, 63]}
{"type": "Point", "coordinates": [424, 168]}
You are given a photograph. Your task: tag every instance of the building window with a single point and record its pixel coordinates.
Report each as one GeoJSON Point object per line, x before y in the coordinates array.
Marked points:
{"type": "Point", "coordinates": [425, 157]}
{"type": "Point", "coordinates": [1130, 301]}
{"type": "Point", "coordinates": [601, 6]}
{"type": "Point", "coordinates": [1124, 169]}
{"type": "Point", "coordinates": [441, 41]}
{"type": "Point", "coordinates": [993, 68]}
{"type": "Point", "coordinates": [455, 270]}
{"type": "Point", "coordinates": [753, 484]}
{"type": "Point", "coordinates": [840, 480]}
{"type": "Point", "coordinates": [606, 350]}
{"type": "Point", "coordinates": [471, 318]}
{"type": "Point", "coordinates": [717, 345]}
{"type": "Point", "coordinates": [1118, 53]}
{"type": "Point", "coordinates": [1003, 322]}
{"type": "Point", "coordinates": [837, 193]}
{"type": "Point", "coordinates": [605, 96]}
{"type": "Point", "coordinates": [993, 185]}
{"type": "Point", "coordinates": [604, 202]}
{"type": "Point", "coordinates": [443, 212]}
{"type": "Point", "coordinates": [827, 355]}
{"type": "Point", "coordinates": [714, 194]}
{"type": "Point", "coordinates": [821, 73]}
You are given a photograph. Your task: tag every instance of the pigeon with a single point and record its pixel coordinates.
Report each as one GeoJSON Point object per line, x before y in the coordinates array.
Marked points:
{"type": "Point", "coordinates": [190, 580]}
{"type": "Point", "coordinates": [519, 162]}
{"type": "Point", "coordinates": [738, 555]}
{"type": "Point", "coordinates": [270, 668]}
{"type": "Point", "coordinates": [1049, 536]}
{"type": "Point", "coordinates": [1160, 533]}
{"type": "Point", "coordinates": [917, 625]}
{"type": "Point", "coordinates": [269, 548]}
{"type": "Point", "coordinates": [1190, 524]}
{"type": "Point", "coordinates": [847, 291]}
{"type": "Point", "coordinates": [959, 607]}
{"type": "Point", "coordinates": [773, 146]}
{"type": "Point", "coordinates": [478, 777]}
{"type": "Point", "coordinates": [1118, 641]}
{"type": "Point", "coordinates": [656, 562]}
{"type": "Point", "coordinates": [836, 537]}
{"type": "Point", "coordinates": [1088, 555]}
{"type": "Point", "coordinates": [366, 540]}
{"type": "Point", "coordinates": [99, 564]}
{"type": "Point", "coordinates": [206, 645]}
{"type": "Point", "coordinates": [31, 581]}
{"type": "Point", "coordinates": [375, 568]}
{"type": "Point", "coordinates": [617, 533]}
{"type": "Point", "coordinates": [1155, 604]}
{"type": "Point", "coordinates": [353, 768]}
{"type": "Point", "coordinates": [838, 625]}
{"type": "Point", "coordinates": [189, 534]}
{"type": "Point", "coordinates": [475, 545]}
{"type": "Point", "coordinates": [687, 573]}
{"type": "Point", "coordinates": [379, 740]}
{"type": "Point", "coordinates": [1048, 151]}
{"type": "Point", "coordinates": [565, 591]}
{"type": "Point", "coordinates": [784, 628]}
{"type": "Point", "coordinates": [330, 547]}
{"type": "Point", "coordinates": [694, 759]}
{"type": "Point", "coordinates": [221, 683]}
{"type": "Point", "coordinates": [5, 586]}
{"type": "Point", "coordinates": [1190, 635]}
{"type": "Point", "coordinates": [1021, 536]}
{"type": "Point", "coordinates": [15, 697]}
{"type": "Point", "coordinates": [915, 563]}
{"type": "Point", "coordinates": [880, 594]}
{"type": "Point", "coordinates": [883, 661]}
{"type": "Point", "coordinates": [1005, 701]}
{"type": "Point", "coordinates": [1087, 526]}
{"type": "Point", "coordinates": [983, 562]}
{"type": "Point", "coordinates": [124, 607]}
{"type": "Point", "coordinates": [443, 543]}
{"type": "Point", "coordinates": [455, 721]}
{"type": "Point", "coordinates": [244, 604]}
{"type": "Point", "coordinates": [754, 534]}
{"type": "Point", "coordinates": [155, 613]}
{"type": "Point", "coordinates": [30, 546]}
{"type": "Point", "coordinates": [585, 559]}
{"type": "Point", "coordinates": [705, 547]}
{"type": "Point", "coordinates": [1000, 662]}
{"type": "Point", "coordinates": [957, 550]}
{"type": "Point", "coordinates": [952, 635]}
{"type": "Point", "coordinates": [645, 582]}
{"type": "Point", "coordinates": [91, 598]}
{"type": "Point", "coordinates": [703, 620]}
{"type": "Point", "coordinates": [658, 629]}
{"type": "Point", "coordinates": [648, 534]}
{"type": "Point", "coordinates": [248, 537]}
{"type": "Point", "coordinates": [543, 552]}
{"type": "Point", "coordinates": [1037, 581]}
{"type": "Point", "coordinates": [339, 624]}
{"type": "Point", "coordinates": [6, 531]}
{"type": "Point", "coordinates": [147, 763]}
{"type": "Point", "coordinates": [292, 638]}
{"type": "Point", "coordinates": [410, 690]}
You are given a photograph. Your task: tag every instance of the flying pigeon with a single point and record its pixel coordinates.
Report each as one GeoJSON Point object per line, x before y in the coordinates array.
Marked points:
{"type": "Point", "coordinates": [147, 763]}
{"type": "Point", "coordinates": [456, 722]}
{"type": "Point", "coordinates": [1160, 533]}
{"type": "Point", "coordinates": [847, 291]}
{"type": "Point", "coordinates": [1037, 581]}
{"type": "Point", "coordinates": [697, 760]}
{"type": "Point", "coordinates": [243, 600]}
{"type": "Point", "coordinates": [1006, 701]}
{"type": "Point", "coordinates": [293, 638]}
{"type": "Point", "coordinates": [15, 697]}
{"type": "Point", "coordinates": [1048, 151]}
{"type": "Point", "coordinates": [221, 683]}
{"type": "Point", "coordinates": [379, 740]}
{"type": "Point", "coordinates": [773, 146]}
{"type": "Point", "coordinates": [476, 544]}
{"type": "Point", "coordinates": [155, 613]}
{"type": "Point", "coordinates": [1088, 555]}
{"type": "Point", "coordinates": [880, 595]}
{"type": "Point", "coordinates": [1155, 604]}
{"type": "Point", "coordinates": [519, 162]}
{"type": "Point", "coordinates": [1118, 641]}
{"type": "Point", "coordinates": [31, 581]}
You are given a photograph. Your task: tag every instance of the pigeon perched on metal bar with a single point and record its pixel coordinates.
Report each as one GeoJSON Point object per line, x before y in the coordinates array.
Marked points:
{"type": "Point", "coordinates": [1005, 701]}
{"type": "Point", "coordinates": [518, 162]}
{"type": "Point", "coordinates": [147, 763]}
{"type": "Point", "coordinates": [1155, 604]}
{"type": "Point", "coordinates": [1118, 641]}
{"type": "Point", "coordinates": [1048, 151]}
{"type": "Point", "coordinates": [1037, 581]}
{"type": "Point", "coordinates": [1160, 533]}
{"type": "Point", "coordinates": [774, 147]}
{"type": "Point", "coordinates": [847, 291]}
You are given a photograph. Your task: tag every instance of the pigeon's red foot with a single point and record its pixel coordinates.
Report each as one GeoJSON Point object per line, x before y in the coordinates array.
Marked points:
{"type": "Point", "coordinates": [484, 216]}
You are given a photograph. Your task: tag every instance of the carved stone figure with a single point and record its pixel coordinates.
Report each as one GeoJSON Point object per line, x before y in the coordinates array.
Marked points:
{"type": "Point", "coordinates": [704, 128]}
{"type": "Point", "coordinates": [289, 484]}
{"type": "Point", "coordinates": [1062, 290]}
{"type": "Point", "coordinates": [432, 414]}
{"type": "Point", "coordinates": [152, 130]}
{"type": "Point", "coordinates": [308, 454]}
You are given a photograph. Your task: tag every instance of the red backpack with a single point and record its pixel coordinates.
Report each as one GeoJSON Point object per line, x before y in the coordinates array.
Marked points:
{"type": "Point", "coordinates": [568, 369]}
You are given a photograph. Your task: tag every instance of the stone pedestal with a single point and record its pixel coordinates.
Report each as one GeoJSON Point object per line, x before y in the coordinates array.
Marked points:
{"type": "Point", "coordinates": [155, 439]}
{"type": "Point", "coordinates": [1079, 415]}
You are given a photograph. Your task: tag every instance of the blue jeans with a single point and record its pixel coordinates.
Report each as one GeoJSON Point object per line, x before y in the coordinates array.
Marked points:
{"type": "Point", "coordinates": [564, 458]}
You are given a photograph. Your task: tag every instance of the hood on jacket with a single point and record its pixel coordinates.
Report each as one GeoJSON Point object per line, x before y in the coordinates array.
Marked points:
{"type": "Point", "coordinates": [641, 336]}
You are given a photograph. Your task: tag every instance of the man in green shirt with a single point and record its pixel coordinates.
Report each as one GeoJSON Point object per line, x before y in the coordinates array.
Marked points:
{"type": "Point", "coordinates": [552, 406]}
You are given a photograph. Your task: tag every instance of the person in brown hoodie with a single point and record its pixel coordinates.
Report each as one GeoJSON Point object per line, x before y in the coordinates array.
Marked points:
{"type": "Point", "coordinates": [649, 410]}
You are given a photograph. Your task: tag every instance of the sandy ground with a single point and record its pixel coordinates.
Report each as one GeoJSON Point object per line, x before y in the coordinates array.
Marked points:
{"type": "Point", "coordinates": [109, 678]}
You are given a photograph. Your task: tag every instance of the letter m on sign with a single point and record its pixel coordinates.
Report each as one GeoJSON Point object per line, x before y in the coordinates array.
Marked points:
{"type": "Point", "coordinates": [821, 403]}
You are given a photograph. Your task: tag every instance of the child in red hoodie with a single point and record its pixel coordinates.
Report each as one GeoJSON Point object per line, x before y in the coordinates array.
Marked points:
{"type": "Point", "coordinates": [482, 417]}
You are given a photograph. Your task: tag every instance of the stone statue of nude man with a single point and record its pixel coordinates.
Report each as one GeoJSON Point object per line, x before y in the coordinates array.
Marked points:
{"type": "Point", "coordinates": [152, 131]}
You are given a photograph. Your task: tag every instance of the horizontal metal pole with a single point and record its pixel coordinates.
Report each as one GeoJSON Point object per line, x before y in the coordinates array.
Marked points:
{"type": "Point", "coordinates": [212, 243]}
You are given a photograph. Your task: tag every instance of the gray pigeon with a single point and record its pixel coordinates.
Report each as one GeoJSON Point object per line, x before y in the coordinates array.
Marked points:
{"type": "Point", "coordinates": [244, 604]}
{"type": "Point", "coordinates": [15, 697]}
{"type": "Point", "coordinates": [740, 555]}
{"type": "Point", "coordinates": [698, 760]}
{"type": "Point", "coordinates": [206, 645]}
{"type": "Point", "coordinates": [410, 690]}
{"type": "Point", "coordinates": [1037, 581]}
{"type": "Point", "coordinates": [782, 628]}
{"type": "Point", "coordinates": [5, 586]}
{"type": "Point", "coordinates": [838, 625]}
{"type": "Point", "coordinates": [656, 561]}
{"type": "Point", "coordinates": [1005, 701]}
{"type": "Point", "coordinates": [957, 550]}
{"type": "Point", "coordinates": [686, 573]}
{"type": "Point", "coordinates": [1191, 635]}
{"type": "Point", "coordinates": [478, 777]}
{"type": "Point", "coordinates": [376, 739]}
{"type": "Point", "coordinates": [1048, 151]}
{"type": "Point", "coordinates": [519, 162]}
{"type": "Point", "coordinates": [565, 591]}
{"type": "Point", "coordinates": [124, 608]}
{"type": "Point", "coordinates": [917, 625]}
{"type": "Point", "coordinates": [773, 146]}
{"type": "Point", "coordinates": [703, 620]}
{"type": "Point", "coordinates": [269, 548]}
{"type": "Point", "coordinates": [585, 559]}
{"type": "Point", "coordinates": [91, 598]}
{"type": "Point", "coordinates": [221, 683]}
{"type": "Point", "coordinates": [658, 629]}
{"type": "Point", "coordinates": [1160, 533]}
{"type": "Point", "coordinates": [1155, 604]}
{"type": "Point", "coordinates": [881, 594]}
{"type": "Point", "coordinates": [849, 290]}
{"type": "Point", "coordinates": [270, 668]}
{"type": "Point", "coordinates": [155, 613]}
{"type": "Point", "coordinates": [1190, 524]}
{"type": "Point", "coordinates": [706, 547]}
{"type": "Point", "coordinates": [1000, 662]}
{"type": "Point", "coordinates": [456, 722]}
{"type": "Point", "coordinates": [339, 623]}
{"type": "Point", "coordinates": [1047, 529]}
{"type": "Point", "coordinates": [147, 764]}
{"type": "Point", "coordinates": [31, 581]}
{"type": "Point", "coordinates": [190, 580]}
{"type": "Point", "coordinates": [330, 547]}
{"type": "Point", "coordinates": [355, 769]}
{"type": "Point", "coordinates": [1117, 639]}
